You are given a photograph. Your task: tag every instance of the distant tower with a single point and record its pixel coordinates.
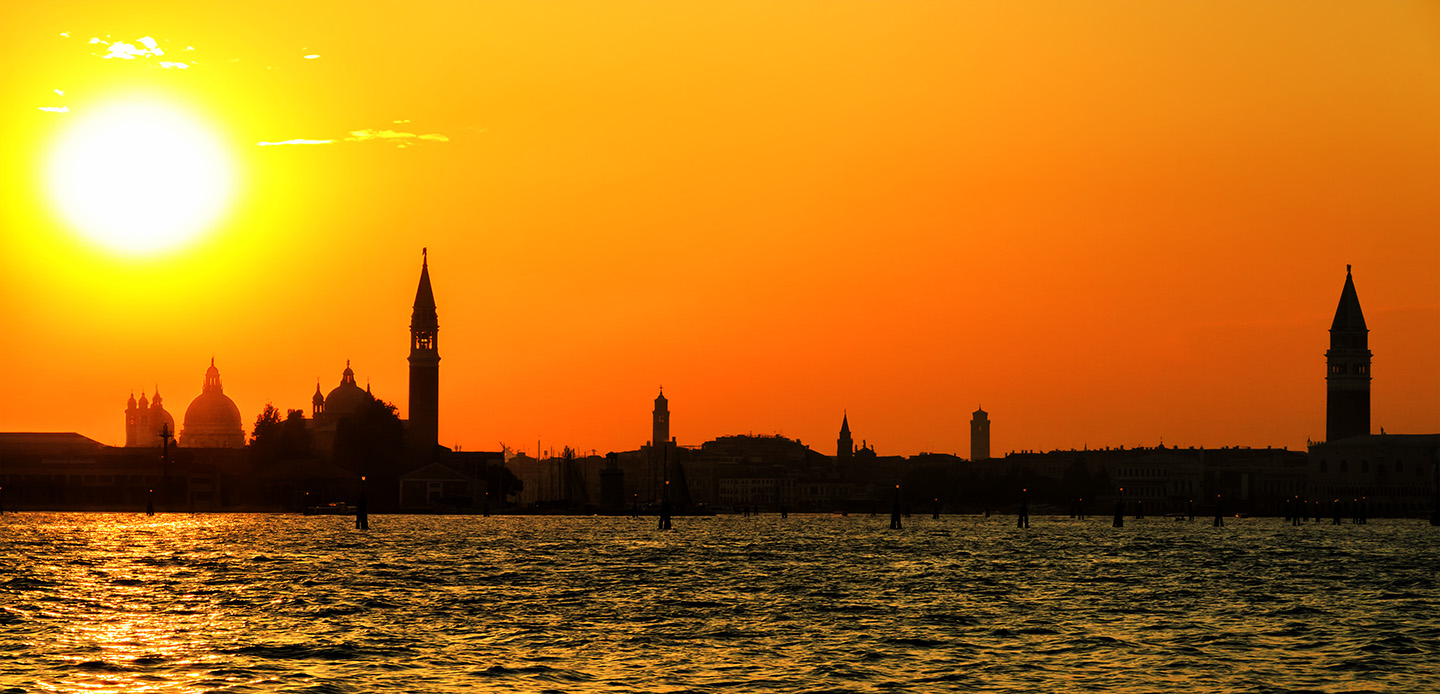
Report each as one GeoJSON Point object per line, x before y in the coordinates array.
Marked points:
{"type": "Point", "coordinates": [424, 366]}
{"type": "Point", "coordinates": [845, 446]}
{"type": "Point", "coordinates": [317, 402]}
{"type": "Point", "coordinates": [660, 444]}
{"type": "Point", "coordinates": [132, 421]}
{"type": "Point", "coordinates": [1347, 380]}
{"type": "Point", "coordinates": [660, 418]}
{"type": "Point", "coordinates": [980, 435]}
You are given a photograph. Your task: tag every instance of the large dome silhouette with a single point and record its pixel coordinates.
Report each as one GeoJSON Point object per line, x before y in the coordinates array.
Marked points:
{"type": "Point", "coordinates": [212, 420]}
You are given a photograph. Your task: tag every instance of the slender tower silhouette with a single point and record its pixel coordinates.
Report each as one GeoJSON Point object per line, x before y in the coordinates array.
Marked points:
{"type": "Point", "coordinates": [659, 441]}
{"type": "Point", "coordinates": [1347, 380]}
{"type": "Point", "coordinates": [980, 435]}
{"type": "Point", "coordinates": [844, 446]}
{"type": "Point", "coordinates": [424, 367]}
{"type": "Point", "coordinates": [660, 420]}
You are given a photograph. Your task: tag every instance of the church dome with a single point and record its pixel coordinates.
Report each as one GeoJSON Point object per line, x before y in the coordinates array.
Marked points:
{"type": "Point", "coordinates": [212, 420]}
{"type": "Point", "coordinates": [160, 416]}
{"type": "Point", "coordinates": [346, 398]}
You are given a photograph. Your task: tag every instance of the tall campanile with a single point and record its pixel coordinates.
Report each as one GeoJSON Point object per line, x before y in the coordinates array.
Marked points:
{"type": "Point", "coordinates": [424, 367]}
{"type": "Point", "coordinates": [1347, 381]}
{"type": "Point", "coordinates": [660, 421]}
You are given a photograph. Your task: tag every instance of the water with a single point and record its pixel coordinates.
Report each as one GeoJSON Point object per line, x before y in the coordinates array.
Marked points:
{"type": "Point", "coordinates": [249, 603]}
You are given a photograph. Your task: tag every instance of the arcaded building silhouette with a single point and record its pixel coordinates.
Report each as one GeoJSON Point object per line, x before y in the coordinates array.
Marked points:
{"type": "Point", "coordinates": [212, 420]}
{"type": "Point", "coordinates": [980, 435]}
{"type": "Point", "coordinates": [424, 431]}
{"type": "Point", "coordinates": [1347, 377]}
{"type": "Point", "coordinates": [144, 421]}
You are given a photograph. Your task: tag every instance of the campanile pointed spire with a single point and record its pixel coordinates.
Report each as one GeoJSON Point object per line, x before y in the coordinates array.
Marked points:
{"type": "Point", "coordinates": [1347, 378]}
{"type": "Point", "coordinates": [1348, 316]}
{"type": "Point", "coordinates": [424, 431]}
{"type": "Point", "coordinates": [424, 312]}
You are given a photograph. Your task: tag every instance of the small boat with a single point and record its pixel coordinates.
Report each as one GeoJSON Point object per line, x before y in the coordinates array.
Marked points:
{"type": "Point", "coordinates": [338, 508]}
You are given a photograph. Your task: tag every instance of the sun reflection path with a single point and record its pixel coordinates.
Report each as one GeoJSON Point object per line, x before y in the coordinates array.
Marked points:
{"type": "Point", "coordinates": [132, 612]}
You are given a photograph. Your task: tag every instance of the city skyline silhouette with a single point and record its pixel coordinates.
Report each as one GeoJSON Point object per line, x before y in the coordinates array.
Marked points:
{"type": "Point", "coordinates": [779, 346]}
{"type": "Point", "coordinates": [1104, 242]}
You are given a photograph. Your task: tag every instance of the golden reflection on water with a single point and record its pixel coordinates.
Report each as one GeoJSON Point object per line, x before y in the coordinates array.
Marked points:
{"type": "Point", "coordinates": [178, 603]}
{"type": "Point", "coordinates": [131, 626]}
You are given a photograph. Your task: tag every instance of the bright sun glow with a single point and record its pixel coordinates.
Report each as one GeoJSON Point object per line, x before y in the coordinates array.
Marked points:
{"type": "Point", "coordinates": [139, 177]}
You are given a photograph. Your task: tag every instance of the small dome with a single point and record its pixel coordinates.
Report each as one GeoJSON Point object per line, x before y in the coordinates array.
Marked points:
{"type": "Point", "coordinates": [165, 419]}
{"type": "Point", "coordinates": [346, 398]}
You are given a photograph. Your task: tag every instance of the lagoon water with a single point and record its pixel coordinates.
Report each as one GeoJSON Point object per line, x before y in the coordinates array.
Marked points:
{"type": "Point", "coordinates": [252, 603]}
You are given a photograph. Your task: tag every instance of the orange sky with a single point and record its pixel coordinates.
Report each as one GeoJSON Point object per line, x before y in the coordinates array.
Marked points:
{"type": "Point", "coordinates": [1110, 223]}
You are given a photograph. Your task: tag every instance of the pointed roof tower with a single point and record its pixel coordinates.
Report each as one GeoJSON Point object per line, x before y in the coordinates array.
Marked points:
{"type": "Point", "coordinates": [845, 424]}
{"type": "Point", "coordinates": [424, 315]}
{"type": "Point", "coordinates": [1348, 315]}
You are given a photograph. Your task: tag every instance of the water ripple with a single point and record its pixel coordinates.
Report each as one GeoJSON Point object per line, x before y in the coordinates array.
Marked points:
{"type": "Point", "coordinates": [251, 603]}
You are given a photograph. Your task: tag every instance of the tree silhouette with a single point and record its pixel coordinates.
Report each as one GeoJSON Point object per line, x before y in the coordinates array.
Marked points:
{"type": "Point", "coordinates": [265, 437]}
{"type": "Point", "coordinates": [371, 440]}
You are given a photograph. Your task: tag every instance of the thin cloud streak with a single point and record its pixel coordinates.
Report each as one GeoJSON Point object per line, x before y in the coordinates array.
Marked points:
{"type": "Point", "coordinates": [294, 142]}
{"type": "Point", "coordinates": [401, 139]}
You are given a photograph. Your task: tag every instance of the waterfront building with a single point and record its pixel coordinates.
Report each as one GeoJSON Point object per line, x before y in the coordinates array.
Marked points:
{"type": "Point", "coordinates": [1392, 474]}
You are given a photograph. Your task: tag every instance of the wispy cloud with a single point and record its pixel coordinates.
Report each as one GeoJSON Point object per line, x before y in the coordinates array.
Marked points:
{"type": "Point", "coordinates": [295, 142]}
{"type": "Point", "coordinates": [55, 109]}
{"type": "Point", "coordinates": [369, 134]}
{"type": "Point", "coordinates": [312, 56]}
{"type": "Point", "coordinates": [398, 138]}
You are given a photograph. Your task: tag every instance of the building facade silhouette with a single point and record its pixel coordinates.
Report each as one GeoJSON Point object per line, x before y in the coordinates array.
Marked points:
{"type": "Point", "coordinates": [1347, 377]}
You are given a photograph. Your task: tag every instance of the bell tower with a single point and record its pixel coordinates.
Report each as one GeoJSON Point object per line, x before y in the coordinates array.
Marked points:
{"type": "Point", "coordinates": [660, 421]}
{"type": "Point", "coordinates": [844, 446]}
{"type": "Point", "coordinates": [1347, 378]}
{"type": "Point", "coordinates": [424, 367]}
{"type": "Point", "coordinates": [980, 435]}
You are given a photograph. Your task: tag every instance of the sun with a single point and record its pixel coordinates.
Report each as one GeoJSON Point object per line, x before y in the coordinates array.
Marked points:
{"type": "Point", "coordinates": [139, 177]}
